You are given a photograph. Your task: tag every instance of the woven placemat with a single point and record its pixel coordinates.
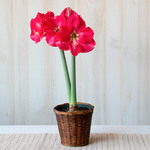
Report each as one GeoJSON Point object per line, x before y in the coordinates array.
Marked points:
{"type": "Point", "coordinates": [52, 142]}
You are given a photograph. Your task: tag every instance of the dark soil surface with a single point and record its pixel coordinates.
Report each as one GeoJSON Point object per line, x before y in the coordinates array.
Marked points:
{"type": "Point", "coordinates": [64, 109]}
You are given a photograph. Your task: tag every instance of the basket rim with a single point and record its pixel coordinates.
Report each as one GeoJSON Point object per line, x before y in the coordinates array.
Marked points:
{"type": "Point", "coordinates": [73, 112]}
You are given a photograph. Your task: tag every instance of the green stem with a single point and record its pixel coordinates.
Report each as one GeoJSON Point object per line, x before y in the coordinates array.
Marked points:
{"type": "Point", "coordinates": [68, 84]}
{"type": "Point", "coordinates": [73, 81]}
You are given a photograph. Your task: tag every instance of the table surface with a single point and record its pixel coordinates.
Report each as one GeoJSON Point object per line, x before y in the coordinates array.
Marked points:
{"type": "Point", "coordinates": [101, 138]}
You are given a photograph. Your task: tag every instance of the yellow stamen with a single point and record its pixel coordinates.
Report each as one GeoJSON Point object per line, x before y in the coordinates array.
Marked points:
{"type": "Point", "coordinates": [56, 29]}
{"type": "Point", "coordinates": [37, 33]}
{"type": "Point", "coordinates": [74, 37]}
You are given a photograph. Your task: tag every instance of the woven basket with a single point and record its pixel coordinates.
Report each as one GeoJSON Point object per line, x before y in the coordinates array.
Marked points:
{"type": "Point", "coordinates": [74, 127]}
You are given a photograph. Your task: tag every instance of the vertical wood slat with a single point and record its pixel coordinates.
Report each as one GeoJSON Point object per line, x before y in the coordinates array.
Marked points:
{"type": "Point", "coordinates": [143, 63]}
{"type": "Point", "coordinates": [149, 56]}
{"type": "Point", "coordinates": [135, 58]}
{"type": "Point", "coordinates": [7, 96]}
{"type": "Point", "coordinates": [21, 61]}
{"type": "Point", "coordinates": [92, 66]}
{"type": "Point", "coordinates": [113, 60]}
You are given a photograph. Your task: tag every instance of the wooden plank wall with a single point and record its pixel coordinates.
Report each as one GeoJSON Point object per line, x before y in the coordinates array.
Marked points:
{"type": "Point", "coordinates": [114, 77]}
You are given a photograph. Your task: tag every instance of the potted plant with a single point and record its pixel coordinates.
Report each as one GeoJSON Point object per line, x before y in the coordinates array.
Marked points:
{"type": "Point", "coordinates": [68, 31]}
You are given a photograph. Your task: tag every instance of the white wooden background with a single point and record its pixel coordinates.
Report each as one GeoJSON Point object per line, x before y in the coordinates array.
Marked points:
{"type": "Point", "coordinates": [114, 76]}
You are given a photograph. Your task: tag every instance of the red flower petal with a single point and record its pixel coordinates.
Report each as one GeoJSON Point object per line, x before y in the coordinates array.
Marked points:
{"type": "Point", "coordinates": [49, 25]}
{"type": "Point", "coordinates": [36, 36]}
{"type": "Point", "coordinates": [85, 39]}
{"type": "Point", "coordinates": [63, 46]}
{"type": "Point", "coordinates": [67, 12]}
{"type": "Point", "coordinates": [35, 25]}
{"type": "Point", "coordinates": [86, 31]}
{"type": "Point", "coordinates": [88, 47]}
{"type": "Point", "coordinates": [64, 37]}
{"type": "Point", "coordinates": [85, 35]}
{"type": "Point", "coordinates": [76, 22]}
{"type": "Point", "coordinates": [75, 48]}
{"type": "Point", "coordinates": [51, 40]}
{"type": "Point", "coordinates": [49, 14]}
{"type": "Point", "coordinates": [65, 43]}
{"type": "Point", "coordinates": [81, 48]}
{"type": "Point", "coordinates": [65, 33]}
{"type": "Point", "coordinates": [39, 16]}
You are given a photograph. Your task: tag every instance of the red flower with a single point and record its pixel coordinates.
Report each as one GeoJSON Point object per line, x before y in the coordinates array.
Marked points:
{"type": "Point", "coordinates": [76, 36]}
{"type": "Point", "coordinates": [53, 29]}
{"type": "Point", "coordinates": [54, 26]}
{"type": "Point", "coordinates": [38, 26]}
{"type": "Point", "coordinates": [67, 31]}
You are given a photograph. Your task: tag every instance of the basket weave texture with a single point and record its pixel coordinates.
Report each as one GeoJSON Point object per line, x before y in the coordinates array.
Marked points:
{"type": "Point", "coordinates": [74, 127]}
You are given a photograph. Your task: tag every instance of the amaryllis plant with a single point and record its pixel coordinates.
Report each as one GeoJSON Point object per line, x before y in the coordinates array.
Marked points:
{"type": "Point", "coordinates": [66, 31]}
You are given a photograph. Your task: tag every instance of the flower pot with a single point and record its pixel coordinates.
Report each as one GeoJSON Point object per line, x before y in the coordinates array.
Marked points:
{"type": "Point", "coordinates": [74, 127]}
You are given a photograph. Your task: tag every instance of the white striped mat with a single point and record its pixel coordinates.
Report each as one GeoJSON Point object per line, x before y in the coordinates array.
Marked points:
{"type": "Point", "coordinates": [52, 142]}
